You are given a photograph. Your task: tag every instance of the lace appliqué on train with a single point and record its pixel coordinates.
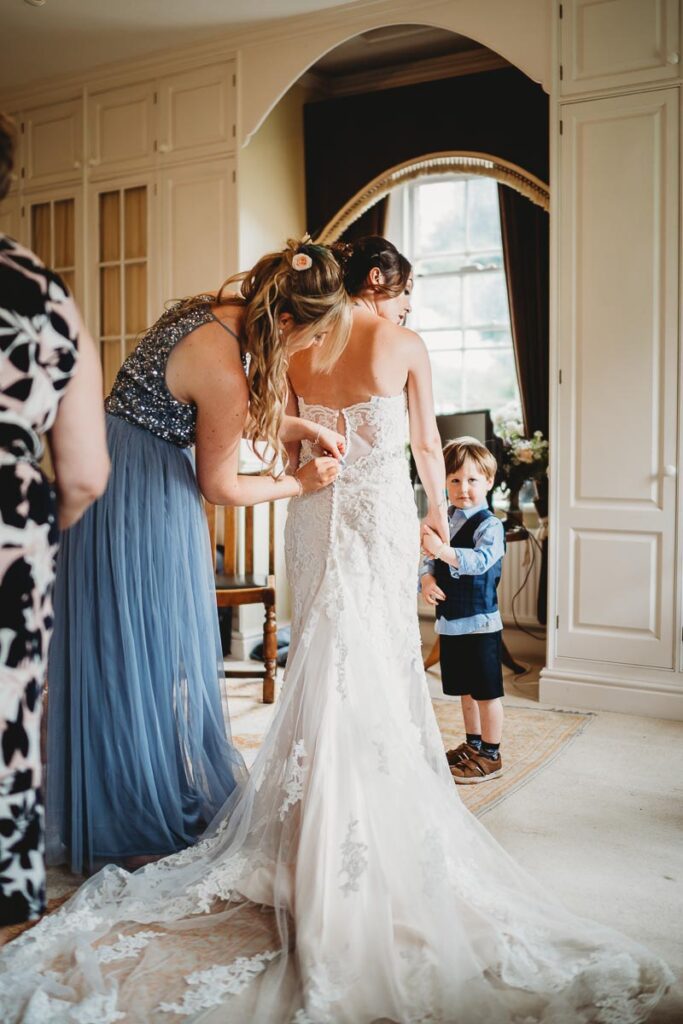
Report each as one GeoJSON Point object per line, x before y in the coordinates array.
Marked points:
{"type": "Point", "coordinates": [212, 986]}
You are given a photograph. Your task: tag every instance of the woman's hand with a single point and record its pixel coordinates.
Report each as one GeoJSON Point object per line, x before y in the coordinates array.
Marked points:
{"type": "Point", "coordinates": [437, 521]}
{"type": "Point", "coordinates": [431, 542]}
{"type": "Point", "coordinates": [317, 473]}
{"type": "Point", "coordinates": [331, 442]}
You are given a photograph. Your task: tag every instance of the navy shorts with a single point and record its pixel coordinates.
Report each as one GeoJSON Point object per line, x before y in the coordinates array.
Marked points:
{"type": "Point", "coordinates": [471, 665]}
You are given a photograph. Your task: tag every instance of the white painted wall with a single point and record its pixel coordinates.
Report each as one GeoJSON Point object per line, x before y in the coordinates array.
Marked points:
{"type": "Point", "coordinates": [271, 209]}
{"type": "Point", "coordinates": [271, 184]}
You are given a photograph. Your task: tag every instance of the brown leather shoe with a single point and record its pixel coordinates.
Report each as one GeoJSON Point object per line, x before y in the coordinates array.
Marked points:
{"type": "Point", "coordinates": [476, 768]}
{"type": "Point", "coordinates": [460, 753]}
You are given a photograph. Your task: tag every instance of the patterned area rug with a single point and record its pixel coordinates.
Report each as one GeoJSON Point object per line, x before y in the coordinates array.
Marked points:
{"type": "Point", "coordinates": [533, 737]}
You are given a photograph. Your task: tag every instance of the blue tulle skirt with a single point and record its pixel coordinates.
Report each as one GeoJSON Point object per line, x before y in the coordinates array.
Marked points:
{"type": "Point", "coordinates": [139, 757]}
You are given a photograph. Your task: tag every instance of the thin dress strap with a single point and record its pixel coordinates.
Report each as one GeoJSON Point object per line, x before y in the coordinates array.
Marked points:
{"type": "Point", "coordinates": [243, 355]}
{"type": "Point", "coordinates": [225, 326]}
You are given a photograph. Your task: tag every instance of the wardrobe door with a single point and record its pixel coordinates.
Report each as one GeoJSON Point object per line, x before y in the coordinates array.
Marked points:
{"type": "Point", "coordinates": [121, 129]}
{"type": "Point", "coordinates": [52, 144]}
{"type": "Point", "coordinates": [618, 325]}
{"type": "Point", "coordinates": [198, 227]}
{"type": "Point", "coordinates": [123, 270]}
{"type": "Point", "coordinates": [611, 43]}
{"type": "Point", "coordinates": [197, 113]}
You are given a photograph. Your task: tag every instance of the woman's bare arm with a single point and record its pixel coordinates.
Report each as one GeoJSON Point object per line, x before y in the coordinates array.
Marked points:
{"type": "Point", "coordinates": [214, 380]}
{"type": "Point", "coordinates": [425, 440]}
{"type": "Point", "coordinates": [77, 440]}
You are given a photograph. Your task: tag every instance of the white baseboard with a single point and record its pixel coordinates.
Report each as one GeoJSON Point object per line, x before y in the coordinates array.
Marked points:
{"type": "Point", "coordinates": [242, 644]}
{"type": "Point", "coordinates": [595, 693]}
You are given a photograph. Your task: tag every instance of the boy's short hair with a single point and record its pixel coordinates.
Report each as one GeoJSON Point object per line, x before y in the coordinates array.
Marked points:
{"type": "Point", "coordinates": [461, 448]}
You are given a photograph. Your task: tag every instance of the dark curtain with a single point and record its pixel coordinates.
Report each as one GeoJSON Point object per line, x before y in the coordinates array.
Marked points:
{"type": "Point", "coordinates": [524, 228]}
{"type": "Point", "coordinates": [372, 222]}
{"type": "Point", "coordinates": [352, 139]}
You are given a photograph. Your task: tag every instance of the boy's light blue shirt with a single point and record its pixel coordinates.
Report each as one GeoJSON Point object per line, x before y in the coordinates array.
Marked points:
{"type": "Point", "coordinates": [489, 538]}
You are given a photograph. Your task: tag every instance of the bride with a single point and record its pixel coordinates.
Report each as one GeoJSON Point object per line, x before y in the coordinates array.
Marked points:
{"type": "Point", "coordinates": [346, 882]}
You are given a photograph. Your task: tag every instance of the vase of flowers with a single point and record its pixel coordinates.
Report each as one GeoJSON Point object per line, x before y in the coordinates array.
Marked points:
{"type": "Point", "coordinates": [522, 458]}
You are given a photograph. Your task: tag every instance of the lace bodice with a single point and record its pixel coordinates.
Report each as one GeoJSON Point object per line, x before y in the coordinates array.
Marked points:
{"type": "Point", "coordinates": [376, 427]}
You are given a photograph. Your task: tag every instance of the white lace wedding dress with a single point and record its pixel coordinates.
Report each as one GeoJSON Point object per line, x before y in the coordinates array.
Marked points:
{"type": "Point", "coordinates": [346, 883]}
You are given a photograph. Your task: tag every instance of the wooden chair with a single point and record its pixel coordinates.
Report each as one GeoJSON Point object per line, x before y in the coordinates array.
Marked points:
{"type": "Point", "coordinates": [233, 589]}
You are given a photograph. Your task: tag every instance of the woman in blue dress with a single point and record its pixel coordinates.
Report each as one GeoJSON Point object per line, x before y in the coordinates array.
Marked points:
{"type": "Point", "coordinates": [139, 753]}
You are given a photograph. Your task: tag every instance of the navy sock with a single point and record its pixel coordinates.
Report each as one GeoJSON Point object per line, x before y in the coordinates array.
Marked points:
{"type": "Point", "coordinates": [490, 750]}
{"type": "Point", "coordinates": [474, 740]}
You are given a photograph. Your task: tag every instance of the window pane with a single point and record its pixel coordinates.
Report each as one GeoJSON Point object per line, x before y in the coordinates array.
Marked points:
{"type": "Point", "coordinates": [65, 234]}
{"type": "Point", "coordinates": [487, 339]}
{"type": "Point", "coordinates": [436, 302]}
{"type": "Point", "coordinates": [110, 301]}
{"type": "Point", "coordinates": [437, 341]}
{"type": "Point", "coordinates": [136, 297]}
{"type": "Point", "coordinates": [135, 222]}
{"type": "Point", "coordinates": [447, 381]}
{"type": "Point", "coordinates": [486, 300]}
{"type": "Point", "coordinates": [111, 361]}
{"type": "Point", "coordinates": [40, 232]}
{"type": "Point", "coordinates": [483, 216]}
{"type": "Point", "coordinates": [440, 215]}
{"type": "Point", "coordinates": [110, 232]}
{"type": "Point", "coordinates": [489, 378]}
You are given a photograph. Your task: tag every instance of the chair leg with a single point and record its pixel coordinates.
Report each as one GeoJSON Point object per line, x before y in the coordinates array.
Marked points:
{"type": "Point", "coordinates": [269, 654]}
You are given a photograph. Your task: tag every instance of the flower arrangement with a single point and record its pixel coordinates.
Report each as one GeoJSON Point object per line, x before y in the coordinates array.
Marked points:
{"type": "Point", "coordinates": [522, 458]}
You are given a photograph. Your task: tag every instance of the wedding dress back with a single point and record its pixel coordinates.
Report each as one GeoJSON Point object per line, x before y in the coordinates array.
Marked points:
{"type": "Point", "coordinates": [346, 883]}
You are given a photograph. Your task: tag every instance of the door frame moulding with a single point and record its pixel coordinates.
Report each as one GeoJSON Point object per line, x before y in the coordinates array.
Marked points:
{"type": "Point", "coordinates": [447, 162]}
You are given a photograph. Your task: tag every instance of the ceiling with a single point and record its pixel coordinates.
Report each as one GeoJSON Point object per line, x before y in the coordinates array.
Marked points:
{"type": "Point", "coordinates": [67, 36]}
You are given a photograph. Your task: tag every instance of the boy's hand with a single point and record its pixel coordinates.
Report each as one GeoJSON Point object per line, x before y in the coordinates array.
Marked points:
{"type": "Point", "coordinates": [431, 542]}
{"type": "Point", "coordinates": [430, 591]}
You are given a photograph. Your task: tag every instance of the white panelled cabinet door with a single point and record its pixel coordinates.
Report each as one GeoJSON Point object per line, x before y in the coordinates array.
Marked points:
{"type": "Point", "coordinates": [197, 113]}
{"type": "Point", "coordinates": [121, 130]}
{"type": "Point", "coordinates": [52, 144]}
{"type": "Point", "coordinates": [618, 309]}
{"type": "Point", "coordinates": [610, 43]}
{"type": "Point", "coordinates": [198, 221]}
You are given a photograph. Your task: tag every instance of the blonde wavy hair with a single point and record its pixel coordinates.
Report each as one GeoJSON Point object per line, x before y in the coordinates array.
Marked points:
{"type": "Point", "coordinates": [318, 303]}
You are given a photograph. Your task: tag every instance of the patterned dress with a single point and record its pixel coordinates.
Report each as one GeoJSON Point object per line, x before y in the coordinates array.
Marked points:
{"type": "Point", "coordinates": [38, 352]}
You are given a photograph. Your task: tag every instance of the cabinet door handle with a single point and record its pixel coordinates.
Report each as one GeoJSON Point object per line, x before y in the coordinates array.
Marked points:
{"type": "Point", "coordinates": [669, 471]}
{"type": "Point", "coordinates": [94, 161]}
{"type": "Point", "coordinates": [164, 147]}
{"type": "Point", "coordinates": [673, 58]}
{"type": "Point", "coordinates": [77, 165]}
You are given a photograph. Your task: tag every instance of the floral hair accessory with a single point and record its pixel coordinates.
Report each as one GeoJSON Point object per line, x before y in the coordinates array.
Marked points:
{"type": "Point", "coordinates": [301, 261]}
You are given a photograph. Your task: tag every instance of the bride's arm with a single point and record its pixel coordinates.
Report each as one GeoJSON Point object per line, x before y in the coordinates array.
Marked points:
{"type": "Point", "coordinates": [425, 440]}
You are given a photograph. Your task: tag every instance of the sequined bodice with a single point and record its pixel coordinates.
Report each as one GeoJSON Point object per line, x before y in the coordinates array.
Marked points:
{"type": "Point", "coordinates": [140, 394]}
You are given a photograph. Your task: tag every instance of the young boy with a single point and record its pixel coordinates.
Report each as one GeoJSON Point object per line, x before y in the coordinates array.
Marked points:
{"type": "Point", "coordinates": [461, 579]}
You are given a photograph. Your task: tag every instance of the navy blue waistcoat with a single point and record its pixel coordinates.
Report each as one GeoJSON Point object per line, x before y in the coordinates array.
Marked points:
{"type": "Point", "coordinates": [468, 595]}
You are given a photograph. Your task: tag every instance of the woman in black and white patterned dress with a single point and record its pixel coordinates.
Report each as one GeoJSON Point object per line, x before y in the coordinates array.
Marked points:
{"type": "Point", "coordinates": [49, 381]}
